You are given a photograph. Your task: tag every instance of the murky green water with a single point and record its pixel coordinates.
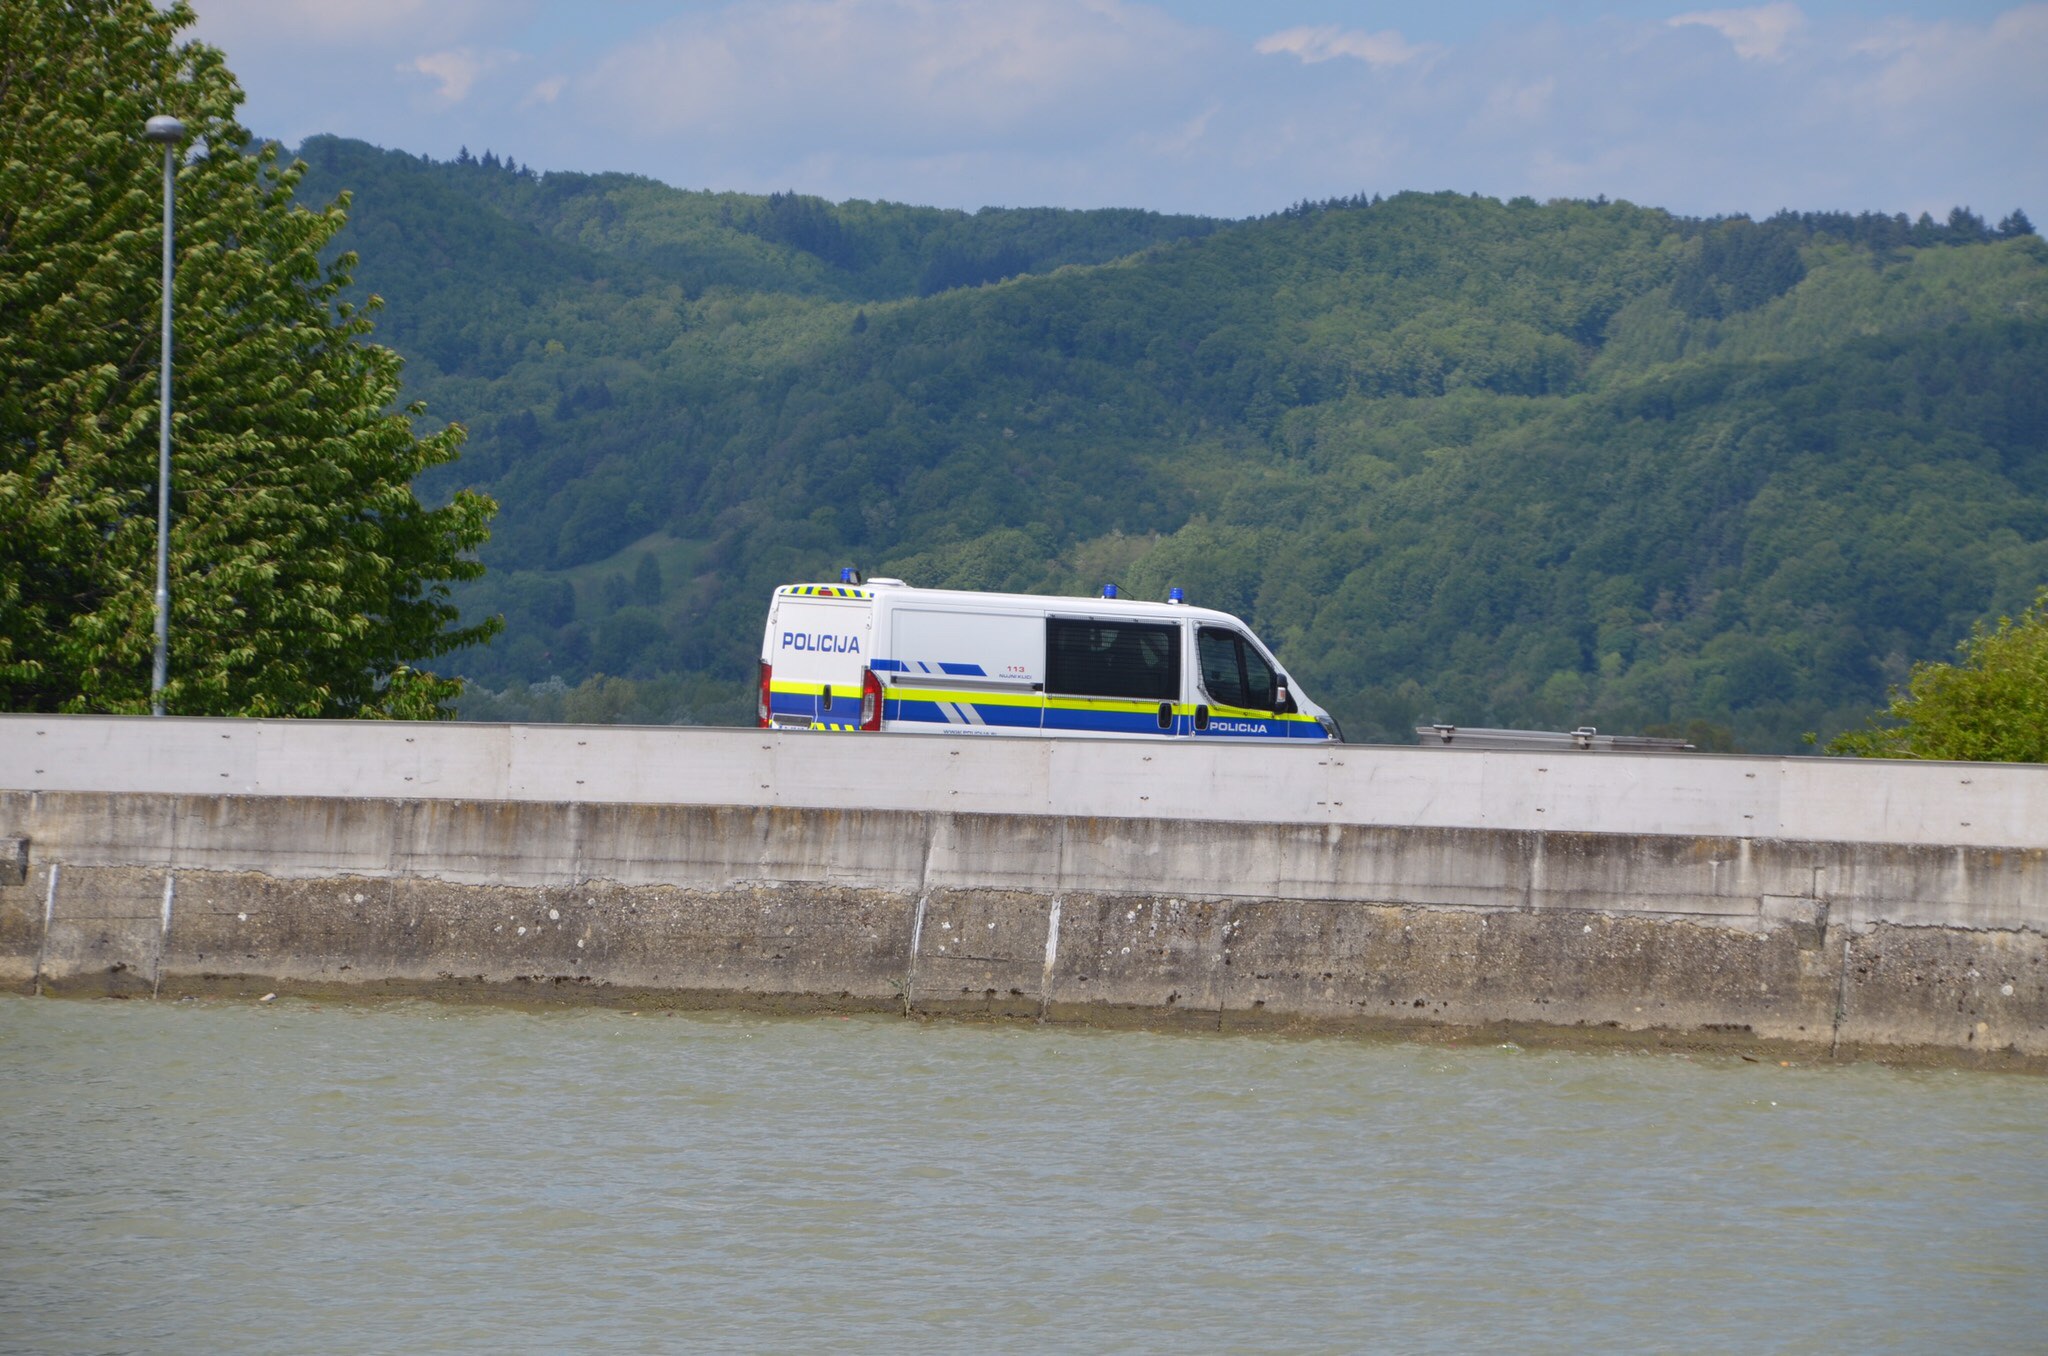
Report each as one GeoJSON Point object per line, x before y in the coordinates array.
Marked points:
{"type": "Point", "coordinates": [227, 1176]}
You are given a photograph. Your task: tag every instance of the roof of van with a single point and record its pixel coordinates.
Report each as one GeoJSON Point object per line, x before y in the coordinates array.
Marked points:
{"type": "Point", "coordinates": [1098, 607]}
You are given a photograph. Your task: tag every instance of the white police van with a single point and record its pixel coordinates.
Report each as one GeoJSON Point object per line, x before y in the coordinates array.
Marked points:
{"type": "Point", "coordinates": [882, 655]}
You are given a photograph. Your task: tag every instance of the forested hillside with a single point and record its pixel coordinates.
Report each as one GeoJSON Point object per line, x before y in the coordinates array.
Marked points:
{"type": "Point", "coordinates": [1457, 459]}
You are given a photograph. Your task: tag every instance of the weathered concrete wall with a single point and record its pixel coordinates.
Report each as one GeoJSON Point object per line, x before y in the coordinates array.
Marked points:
{"type": "Point", "coordinates": [1852, 945]}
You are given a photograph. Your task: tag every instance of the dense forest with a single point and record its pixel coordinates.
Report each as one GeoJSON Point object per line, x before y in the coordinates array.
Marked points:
{"type": "Point", "coordinates": [1457, 459]}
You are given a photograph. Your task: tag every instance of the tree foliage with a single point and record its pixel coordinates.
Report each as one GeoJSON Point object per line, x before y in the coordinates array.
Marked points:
{"type": "Point", "coordinates": [1497, 463]}
{"type": "Point", "coordinates": [305, 576]}
{"type": "Point", "coordinates": [1990, 706]}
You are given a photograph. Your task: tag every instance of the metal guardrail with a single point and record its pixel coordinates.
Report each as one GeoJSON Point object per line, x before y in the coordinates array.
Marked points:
{"type": "Point", "coordinates": [1585, 739]}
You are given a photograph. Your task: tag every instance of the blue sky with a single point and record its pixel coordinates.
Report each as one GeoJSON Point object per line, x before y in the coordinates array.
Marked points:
{"type": "Point", "coordinates": [1188, 105]}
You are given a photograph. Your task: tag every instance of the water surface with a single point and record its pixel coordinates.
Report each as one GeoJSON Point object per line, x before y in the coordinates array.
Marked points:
{"type": "Point", "coordinates": [239, 1177]}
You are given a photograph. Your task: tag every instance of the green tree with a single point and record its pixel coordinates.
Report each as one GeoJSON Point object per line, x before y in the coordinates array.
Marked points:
{"type": "Point", "coordinates": [305, 575]}
{"type": "Point", "coordinates": [647, 580]}
{"type": "Point", "coordinates": [1991, 706]}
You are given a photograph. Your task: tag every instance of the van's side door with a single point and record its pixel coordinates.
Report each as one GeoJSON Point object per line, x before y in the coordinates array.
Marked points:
{"type": "Point", "coordinates": [1239, 696]}
{"type": "Point", "coordinates": [961, 671]}
{"type": "Point", "coordinates": [1112, 676]}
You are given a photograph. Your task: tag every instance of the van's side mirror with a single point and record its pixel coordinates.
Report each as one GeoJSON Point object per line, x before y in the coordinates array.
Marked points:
{"type": "Point", "coordinates": [1281, 701]}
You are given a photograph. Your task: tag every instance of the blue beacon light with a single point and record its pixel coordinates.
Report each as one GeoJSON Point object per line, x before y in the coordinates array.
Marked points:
{"type": "Point", "coordinates": [1174, 595]}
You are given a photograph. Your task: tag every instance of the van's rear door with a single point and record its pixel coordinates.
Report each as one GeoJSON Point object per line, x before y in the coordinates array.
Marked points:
{"type": "Point", "coordinates": [817, 650]}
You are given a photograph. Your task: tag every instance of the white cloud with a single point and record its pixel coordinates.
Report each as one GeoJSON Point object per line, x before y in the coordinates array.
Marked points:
{"type": "Point", "coordinates": [1511, 106]}
{"type": "Point", "coordinates": [456, 72]}
{"type": "Point", "coordinates": [1943, 62]}
{"type": "Point", "coordinates": [1181, 140]}
{"type": "Point", "coordinates": [357, 24]}
{"type": "Point", "coordinates": [1311, 45]}
{"type": "Point", "coordinates": [545, 92]}
{"type": "Point", "coordinates": [926, 77]}
{"type": "Point", "coordinates": [1759, 33]}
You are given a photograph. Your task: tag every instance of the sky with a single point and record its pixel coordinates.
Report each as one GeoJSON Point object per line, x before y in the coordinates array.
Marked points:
{"type": "Point", "coordinates": [1222, 107]}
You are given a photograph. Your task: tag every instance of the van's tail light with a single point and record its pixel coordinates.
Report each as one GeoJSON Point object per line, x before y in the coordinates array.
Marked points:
{"type": "Point", "coordinates": [761, 704]}
{"type": "Point", "coordinates": [870, 701]}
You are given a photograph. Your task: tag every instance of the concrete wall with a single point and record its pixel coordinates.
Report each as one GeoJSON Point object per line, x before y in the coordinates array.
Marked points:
{"type": "Point", "coordinates": [1846, 906]}
{"type": "Point", "coordinates": [1822, 800]}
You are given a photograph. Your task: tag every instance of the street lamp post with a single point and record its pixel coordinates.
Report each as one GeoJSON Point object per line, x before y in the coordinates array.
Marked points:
{"type": "Point", "coordinates": [167, 131]}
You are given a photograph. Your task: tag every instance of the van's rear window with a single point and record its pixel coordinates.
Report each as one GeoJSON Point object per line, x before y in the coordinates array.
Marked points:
{"type": "Point", "coordinates": [1139, 660]}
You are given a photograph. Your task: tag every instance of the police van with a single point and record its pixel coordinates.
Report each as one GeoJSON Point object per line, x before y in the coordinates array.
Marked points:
{"type": "Point", "coordinates": [881, 655]}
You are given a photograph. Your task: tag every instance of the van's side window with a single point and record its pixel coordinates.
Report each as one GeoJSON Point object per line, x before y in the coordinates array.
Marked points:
{"type": "Point", "coordinates": [1233, 672]}
{"type": "Point", "coordinates": [1139, 660]}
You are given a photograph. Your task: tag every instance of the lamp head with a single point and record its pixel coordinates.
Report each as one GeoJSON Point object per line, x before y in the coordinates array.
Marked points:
{"type": "Point", "coordinates": [163, 128]}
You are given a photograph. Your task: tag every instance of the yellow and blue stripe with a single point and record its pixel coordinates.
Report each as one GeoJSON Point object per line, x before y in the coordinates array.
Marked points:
{"type": "Point", "coordinates": [942, 708]}
{"type": "Point", "coordinates": [821, 591]}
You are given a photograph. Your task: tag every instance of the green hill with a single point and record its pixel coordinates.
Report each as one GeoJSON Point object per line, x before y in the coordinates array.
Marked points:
{"type": "Point", "coordinates": [1494, 463]}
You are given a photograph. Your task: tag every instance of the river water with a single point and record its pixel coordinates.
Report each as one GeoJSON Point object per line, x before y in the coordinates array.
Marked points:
{"type": "Point", "coordinates": [229, 1176]}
